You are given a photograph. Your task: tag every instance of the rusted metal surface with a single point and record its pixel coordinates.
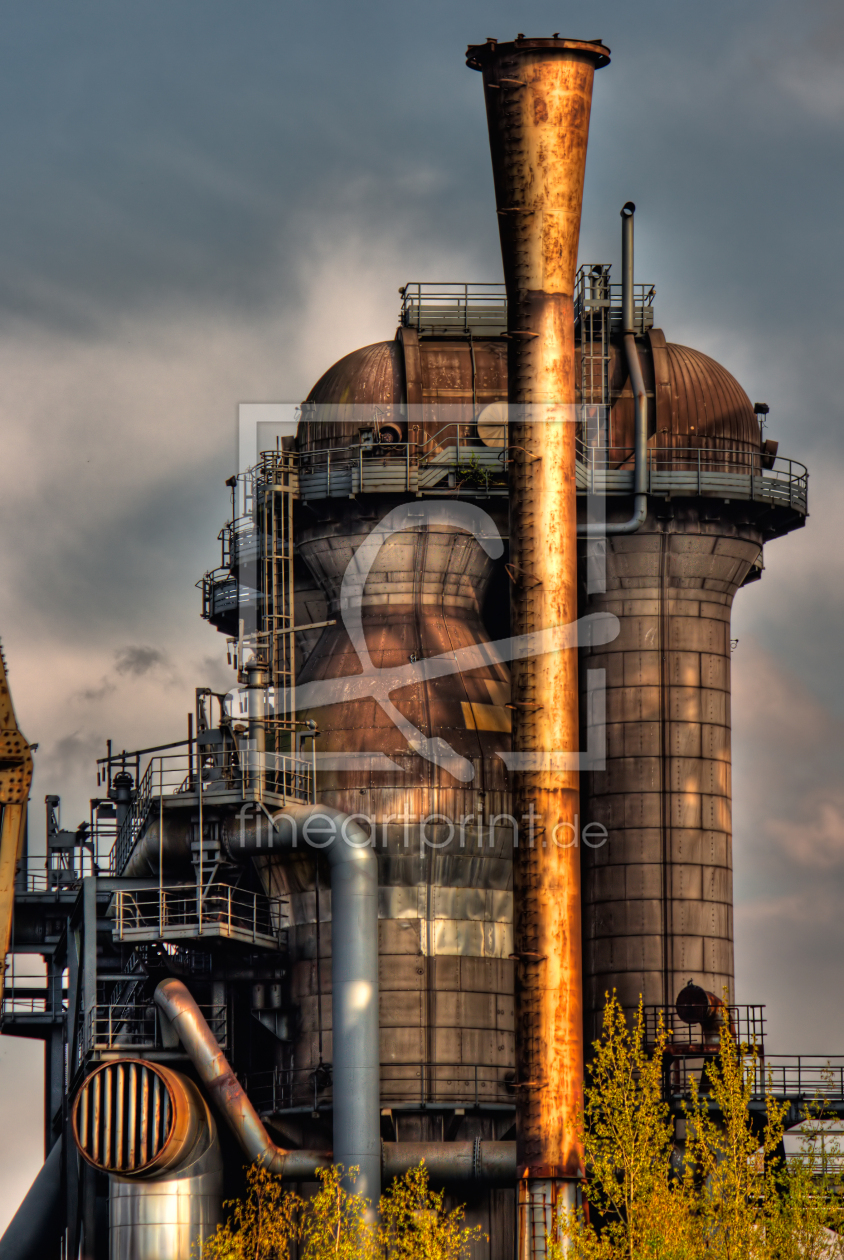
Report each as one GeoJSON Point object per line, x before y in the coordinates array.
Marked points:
{"type": "Point", "coordinates": [228, 1094]}
{"type": "Point", "coordinates": [485, 1163]}
{"type": "Point", "coordinates": [445, 889]}
{"type": "Point", "coordinates": [135, 1118]}
{"type": "Point", "coordinates": [538, 97]}
{"type": "Point", "coordinates": [15, 781]}
{"type": "Point", "coordinates": [693, 401]}
{"type": "Point", "coordinates": [443, 380]}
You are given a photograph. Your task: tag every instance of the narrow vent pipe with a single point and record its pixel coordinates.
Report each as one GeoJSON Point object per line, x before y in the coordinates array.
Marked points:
{"type": "Point", "coordinates": [634, 367]}
{"type": "Point", "coordinates": [538, 99]}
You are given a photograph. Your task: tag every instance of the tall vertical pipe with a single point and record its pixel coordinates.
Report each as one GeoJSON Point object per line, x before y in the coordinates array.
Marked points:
{"type": "Point", "coordinates": [538, 99]}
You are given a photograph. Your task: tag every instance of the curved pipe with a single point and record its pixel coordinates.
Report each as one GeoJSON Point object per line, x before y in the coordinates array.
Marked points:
{"type": "Point", "coordinates": [634, 367]}
{"type": "Point", "coordinates": [173, 998]}
{"type": "Point", "coordinates": [487, 1163]}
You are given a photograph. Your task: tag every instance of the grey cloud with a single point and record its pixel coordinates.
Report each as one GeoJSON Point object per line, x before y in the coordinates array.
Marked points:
{"type": "Point", "coordinates": [138, 660]}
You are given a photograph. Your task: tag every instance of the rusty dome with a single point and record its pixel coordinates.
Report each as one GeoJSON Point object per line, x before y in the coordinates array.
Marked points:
{"type": "Point", "coordinates": [693, 401]}
{"type": "Point", "coordinates": [349, 393]}
{"type": "Point", "coordinates": [421, 385]}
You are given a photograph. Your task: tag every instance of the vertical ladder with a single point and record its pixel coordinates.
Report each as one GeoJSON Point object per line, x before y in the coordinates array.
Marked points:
{"type": "Point", "coordinates": [274, 490]}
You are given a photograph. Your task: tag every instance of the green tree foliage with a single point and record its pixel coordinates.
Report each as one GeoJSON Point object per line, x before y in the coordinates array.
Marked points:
{"type": "Point", "coordinates": [259, 1226]}
{"type": "Point", "coordinates": [271, 1223]}
{"type": "Point", "coordinates": [728, 1195]}
{"type": "Point", "coordinates": [333, 1223]}
{"type": "Point", "coordinates": [415, 1224]}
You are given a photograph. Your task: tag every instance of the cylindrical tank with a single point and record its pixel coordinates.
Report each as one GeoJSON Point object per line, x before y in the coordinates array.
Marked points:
{"type": "Point", "coordinates": [442, 834]}
{"type": "Point", "coordinates": [657, 896]}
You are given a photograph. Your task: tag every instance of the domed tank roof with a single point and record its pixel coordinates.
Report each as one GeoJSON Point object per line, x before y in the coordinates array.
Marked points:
{"type": "Point", "coordinates": [361, 385]}
{"type": "Point", "coordinates": [372, 374]}
{"type": "Point", "coordinates": [707, 399]}
{"type": "Point", "coordinates": [692, 400]}
{"type": "Point", "coordinates": [432, 383]}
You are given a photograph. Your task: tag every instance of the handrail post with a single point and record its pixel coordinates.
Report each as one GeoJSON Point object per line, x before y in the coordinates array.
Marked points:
{"type": "Point", "coordinates": [160, 842]}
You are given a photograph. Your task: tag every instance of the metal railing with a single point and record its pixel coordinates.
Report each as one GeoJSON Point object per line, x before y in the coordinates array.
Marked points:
{"type": "Point", "coordinates": [136, 1025]}
{"type": "Point", "coordinates": [804, 1076]}
{"type": "Point", "coordinates": [446, 307]}
{"type": "Point", "coordinates": [165, 775]}
{"type": "Point", "coordinates": [409, 1085]}
{"type": "Point", "coordinates": [221, 767]}
{"type": "Point", "coordinates": [746, 1023]}
{"type": "Point", "coordinates": [188, 911]}
{"type": "Point", "coordinates": [451, 465]}
{"type": "Point", "coordinates": [595, 295]}
{"type": "Point", "coordinates": [32, 1005]}
{"type": "Point", "coordinates": [801, 1077]}
{"type": "Point", "coordinates": [694, 471]}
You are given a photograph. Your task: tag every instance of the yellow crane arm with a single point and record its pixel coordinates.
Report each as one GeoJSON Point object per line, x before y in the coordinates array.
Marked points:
{"type": "Point", "coordinates": [15, 782]}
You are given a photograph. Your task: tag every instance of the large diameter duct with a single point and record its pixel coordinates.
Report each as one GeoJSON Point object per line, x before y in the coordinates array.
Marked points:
{"type": "Point", "coordinates": [538, 98]}
{"type": "Point", "coordinates": [151, 1131]}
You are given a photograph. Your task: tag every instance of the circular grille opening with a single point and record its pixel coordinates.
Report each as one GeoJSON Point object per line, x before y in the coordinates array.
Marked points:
{"type": "Point", "coordinates": [124, 1117]}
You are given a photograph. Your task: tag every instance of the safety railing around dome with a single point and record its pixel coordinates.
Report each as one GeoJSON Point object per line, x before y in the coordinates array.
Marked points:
{"type": "Point", "coordinates": [697, 471]}
{"type": "Point", "coordinates": [413, 1086]}
{"type": "Point", "coordinates": [446, 463]}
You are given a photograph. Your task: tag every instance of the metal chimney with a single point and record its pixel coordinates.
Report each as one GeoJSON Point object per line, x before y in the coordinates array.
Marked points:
{"type": "Point", "coordinates": [538, 99]}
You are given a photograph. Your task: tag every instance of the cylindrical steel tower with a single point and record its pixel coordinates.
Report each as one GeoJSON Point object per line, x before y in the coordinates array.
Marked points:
{"type": "Point", "coordinates": [657, 897]}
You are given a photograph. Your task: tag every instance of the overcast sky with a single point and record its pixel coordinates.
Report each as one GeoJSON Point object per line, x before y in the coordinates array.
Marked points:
{"type": "Point", "coordinates": [207, 202]}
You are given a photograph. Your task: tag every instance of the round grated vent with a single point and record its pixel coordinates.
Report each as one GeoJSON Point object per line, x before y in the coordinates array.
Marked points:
{"type": "Point", "coordinates": [128, 1115]}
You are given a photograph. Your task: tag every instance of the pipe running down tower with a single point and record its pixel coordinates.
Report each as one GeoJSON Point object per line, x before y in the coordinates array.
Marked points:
{"type": "Point", "coordinates": [538, 99]}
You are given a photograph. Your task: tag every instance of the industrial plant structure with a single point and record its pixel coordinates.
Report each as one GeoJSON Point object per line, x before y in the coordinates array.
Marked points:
{"type": "Point", "coordinates": [473, 772]}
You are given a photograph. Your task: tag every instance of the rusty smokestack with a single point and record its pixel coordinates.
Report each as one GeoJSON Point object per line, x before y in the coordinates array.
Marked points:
{"type": "Point", "coordinates": [538, 99]}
